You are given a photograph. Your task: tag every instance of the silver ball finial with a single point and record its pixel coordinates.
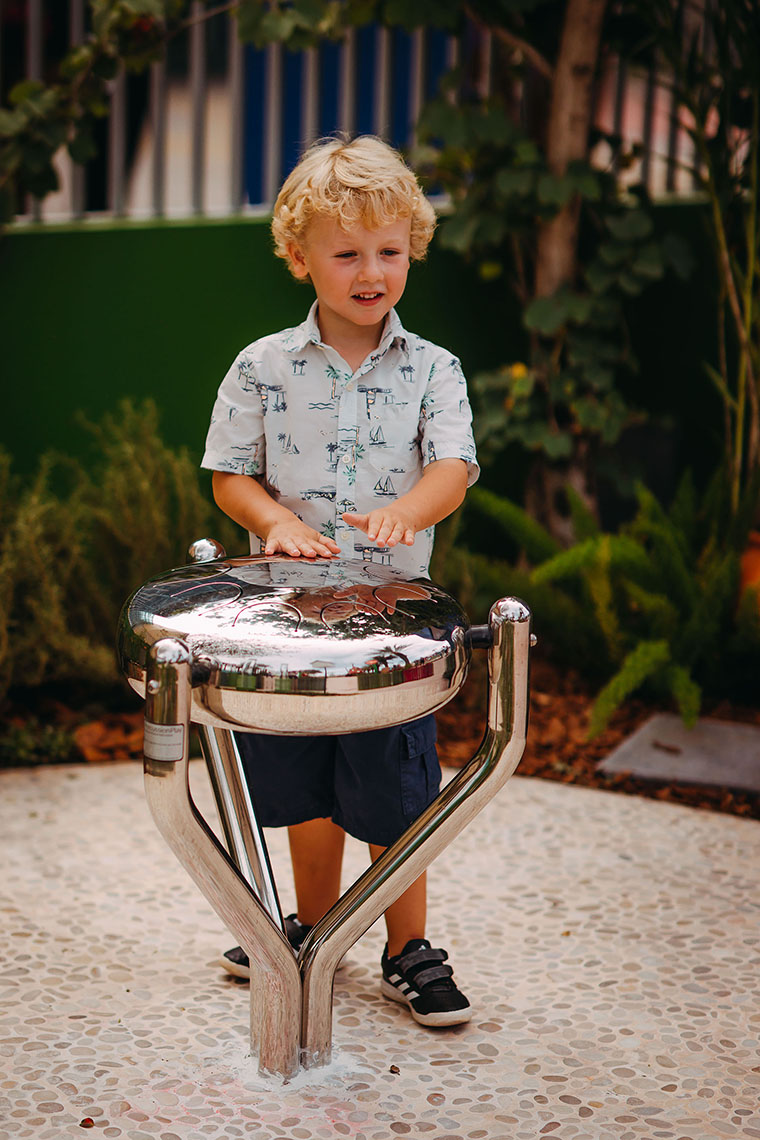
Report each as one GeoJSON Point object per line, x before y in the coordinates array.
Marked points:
{"type": "Point", "coordinates": [205, 550]}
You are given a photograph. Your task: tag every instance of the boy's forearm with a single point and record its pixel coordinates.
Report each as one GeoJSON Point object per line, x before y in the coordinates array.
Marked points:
{"type": "Point", "coordinates": [247, 503]}
{"type": "Point", "coordinates": [439, 492]}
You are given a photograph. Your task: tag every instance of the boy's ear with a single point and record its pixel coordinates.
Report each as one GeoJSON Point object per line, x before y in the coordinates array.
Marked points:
{"type": "Point", "coordinates": [297, 260]}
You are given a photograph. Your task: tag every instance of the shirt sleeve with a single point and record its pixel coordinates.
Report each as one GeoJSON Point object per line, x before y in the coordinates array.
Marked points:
{"type": "Point", "coordinates": [235, 440]}
{"type": "Point", "coordinates": [446, 419]}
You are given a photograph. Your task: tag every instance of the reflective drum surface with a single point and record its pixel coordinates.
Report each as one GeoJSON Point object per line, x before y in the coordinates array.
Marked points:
{"type": "Point", "coordinates": [294, 646]}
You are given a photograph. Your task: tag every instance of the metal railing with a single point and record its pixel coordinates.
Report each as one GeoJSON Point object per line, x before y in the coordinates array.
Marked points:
{"type": "Point", "coordinates": [213, 129]}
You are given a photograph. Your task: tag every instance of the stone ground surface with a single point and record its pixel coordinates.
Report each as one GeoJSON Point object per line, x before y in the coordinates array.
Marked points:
{"type": "Point", "coordinates": [608, 943]}
{"type": "Point", "coordinates": [712, 752]}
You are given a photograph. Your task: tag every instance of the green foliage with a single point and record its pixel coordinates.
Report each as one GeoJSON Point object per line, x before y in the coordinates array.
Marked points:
{"type": "Point", "coordinates": [35, 743]}
{"type": "Point", "coordinates": [655, 607]}
{"type": "Point", "coordinates": [75, 543]}
{"type": "Point", "coordinates": [714, 68]}
{"type": "Point", "coordinates": [42, 118]}
{"type": "Point", "coordinates": [643, 662]}
{"type": "Point", "coordinates": [503, 192]}
{"type": "Point", "coordinates": [530, 536]}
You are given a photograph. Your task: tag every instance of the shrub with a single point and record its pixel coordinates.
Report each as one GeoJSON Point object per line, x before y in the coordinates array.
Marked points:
{"type": "Point", "coordinates": [75, 543]}
{"type": "Point", "coordinates": [654, 607]}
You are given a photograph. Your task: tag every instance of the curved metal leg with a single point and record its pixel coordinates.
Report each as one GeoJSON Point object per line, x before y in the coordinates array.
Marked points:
{"type": "Point", "coordinates": [276, 988]}
{"type": "Point", "coordinates": [245, 843]}
{"type": "Point", "coordinates": [434, 829]}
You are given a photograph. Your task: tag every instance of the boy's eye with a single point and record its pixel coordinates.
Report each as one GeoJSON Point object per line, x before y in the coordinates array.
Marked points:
{"type": "Point", "coordinates": [391, 252]}
{"type": "Point", "coordinates": [346, 254]}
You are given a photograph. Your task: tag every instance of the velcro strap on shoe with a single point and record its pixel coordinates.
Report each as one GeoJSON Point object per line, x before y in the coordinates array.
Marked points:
{"type": "Point", "coordinates": [417, 957]}
{"type": "Point", "coordinates": [434, 974]}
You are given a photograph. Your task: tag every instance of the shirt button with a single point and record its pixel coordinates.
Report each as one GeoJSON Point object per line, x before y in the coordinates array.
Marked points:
{"type": "Point", "coordinates": [346, 460]}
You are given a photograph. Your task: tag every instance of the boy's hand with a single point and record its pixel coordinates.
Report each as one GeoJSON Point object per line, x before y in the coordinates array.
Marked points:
{"type": "Point", "coordinates": [387, 526]}
{"type": "Point", "coordinates": [296, 538]}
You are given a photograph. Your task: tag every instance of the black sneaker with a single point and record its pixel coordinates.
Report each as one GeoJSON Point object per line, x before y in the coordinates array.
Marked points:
{"type": "Point", "coordinates": [418, 978]}
{"type": "Point", "coordinates": [236, 961]}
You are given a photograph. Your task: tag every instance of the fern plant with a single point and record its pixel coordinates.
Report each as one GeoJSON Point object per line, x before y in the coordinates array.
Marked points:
{"type": "Point", "coordinates": [659, 600]}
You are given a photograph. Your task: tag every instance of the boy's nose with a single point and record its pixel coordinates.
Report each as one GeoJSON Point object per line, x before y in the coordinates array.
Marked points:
{"type": "Point", "coordinates": [369, 270]}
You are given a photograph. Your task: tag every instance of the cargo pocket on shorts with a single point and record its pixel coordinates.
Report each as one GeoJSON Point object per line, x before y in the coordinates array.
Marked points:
{"type": "Point", "coordinates": [420, 770]}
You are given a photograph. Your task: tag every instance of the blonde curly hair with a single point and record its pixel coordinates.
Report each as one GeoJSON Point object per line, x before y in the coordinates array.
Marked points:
{"type": "Point", "coordinates": [359, 181]}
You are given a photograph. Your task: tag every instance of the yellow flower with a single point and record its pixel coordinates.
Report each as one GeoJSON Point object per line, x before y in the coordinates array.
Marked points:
{"type": "Point", "coordinates": [518, 370]}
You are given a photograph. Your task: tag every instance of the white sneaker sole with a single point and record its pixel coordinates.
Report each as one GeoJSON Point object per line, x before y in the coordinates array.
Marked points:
{"type": "Point", "coordinates": [234, 969]}
{"type": "Point", "coordinates": [443, 1018]}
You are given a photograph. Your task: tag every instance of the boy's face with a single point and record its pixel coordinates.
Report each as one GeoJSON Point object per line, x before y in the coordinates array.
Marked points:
{"type": "Point", "coordinates": [358, 274]}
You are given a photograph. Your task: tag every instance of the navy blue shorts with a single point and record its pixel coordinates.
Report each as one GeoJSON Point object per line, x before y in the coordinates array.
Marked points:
{"type": "Point", "coordinates": [372, 784]}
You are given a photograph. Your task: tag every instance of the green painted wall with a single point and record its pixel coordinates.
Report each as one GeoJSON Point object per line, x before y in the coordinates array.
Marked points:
{"type": "Point", "coordinates": [92, 314]}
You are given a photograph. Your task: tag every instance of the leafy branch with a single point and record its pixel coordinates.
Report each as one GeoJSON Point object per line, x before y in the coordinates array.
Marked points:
{"type": "Point", "coordinates": [42, 118]}
{"type": "Point", "coordinates": [717, 88]}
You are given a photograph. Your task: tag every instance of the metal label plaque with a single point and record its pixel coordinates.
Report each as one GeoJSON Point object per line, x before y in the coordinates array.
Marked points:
{"type": "Point", "coordinates": [164, 741]}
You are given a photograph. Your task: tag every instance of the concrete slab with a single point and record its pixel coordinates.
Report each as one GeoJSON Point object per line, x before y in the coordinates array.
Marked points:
{"type": "Point", "coordinates": [609, 944]}
{"type": "Point", "coordinates": [716, 752]}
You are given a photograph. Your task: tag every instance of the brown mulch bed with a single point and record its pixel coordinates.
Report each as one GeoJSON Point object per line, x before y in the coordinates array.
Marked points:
{"type": "Point", "coordinates": [557, 748]}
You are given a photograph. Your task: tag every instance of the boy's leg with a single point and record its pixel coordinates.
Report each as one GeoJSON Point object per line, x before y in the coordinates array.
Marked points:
{"type": "Point", "coordinates": [292, 777]}
{"type": "Point", "coordinates": [316, 852]}
{"type": "Point", "coordinates": [383, 780]}
{"type": "Point", "coordinates": [413, 972]}
{"type": "Point", "coordinates": [405, 918]}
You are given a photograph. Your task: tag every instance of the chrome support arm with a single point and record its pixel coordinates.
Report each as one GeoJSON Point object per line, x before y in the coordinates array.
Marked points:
{"type": "Point", "coordinates": [245, 841]}
{"type": "Point", "coordinates": [398, 866]}
{"type": "Point", "coordinates": [275, 980]}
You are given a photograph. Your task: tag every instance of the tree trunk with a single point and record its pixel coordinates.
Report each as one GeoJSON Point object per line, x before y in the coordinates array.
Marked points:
{"type": "Point", "coordinates": [567, 136]}
{"type": "Point", "coordinates": [556, 246]}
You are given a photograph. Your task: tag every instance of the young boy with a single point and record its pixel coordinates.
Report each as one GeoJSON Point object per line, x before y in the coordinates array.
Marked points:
{"type": "Point", "coordinates": [343, 434]}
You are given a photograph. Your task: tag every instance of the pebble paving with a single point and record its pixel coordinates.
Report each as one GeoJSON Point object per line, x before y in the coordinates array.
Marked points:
{"type": "Point", "coordinates": [609, 945]}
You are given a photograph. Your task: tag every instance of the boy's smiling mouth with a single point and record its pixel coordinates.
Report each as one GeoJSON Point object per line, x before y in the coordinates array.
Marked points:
{"type": "Point", "coordinates": [367, 296]}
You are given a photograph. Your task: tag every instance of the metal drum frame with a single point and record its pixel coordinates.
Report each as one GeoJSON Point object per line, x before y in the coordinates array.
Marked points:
{"type": "Point", "coordinates": [291, 995]}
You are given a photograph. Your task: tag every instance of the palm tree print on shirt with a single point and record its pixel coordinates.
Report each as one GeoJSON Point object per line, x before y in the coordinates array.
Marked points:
{"type": "Point", "coordinates": [334, 376]}
{"type": "Point", "coordinates": [246, 375]}
{"type": "Point", "coordinates": [332, 462]}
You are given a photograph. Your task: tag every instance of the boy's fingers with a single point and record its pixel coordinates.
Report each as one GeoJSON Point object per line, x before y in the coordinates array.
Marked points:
{"type": "Point", "coordinates": [307, 546]}
{"type": "Point", "coordinates": [324, 546]}
{"type": "Point", "coordinates": [358, 521]}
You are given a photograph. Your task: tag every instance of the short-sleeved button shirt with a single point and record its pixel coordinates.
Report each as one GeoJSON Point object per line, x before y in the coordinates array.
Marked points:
{"type": "Point", "coordinates": [325, 440]}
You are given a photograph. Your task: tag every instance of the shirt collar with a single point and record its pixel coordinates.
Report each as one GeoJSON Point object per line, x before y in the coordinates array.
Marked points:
{"type": "Point", "coordinates": [308, 333]}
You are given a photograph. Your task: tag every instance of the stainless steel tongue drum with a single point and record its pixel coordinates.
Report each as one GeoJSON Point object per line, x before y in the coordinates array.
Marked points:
{"type": "Point", "coordinates": [293, 646]}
